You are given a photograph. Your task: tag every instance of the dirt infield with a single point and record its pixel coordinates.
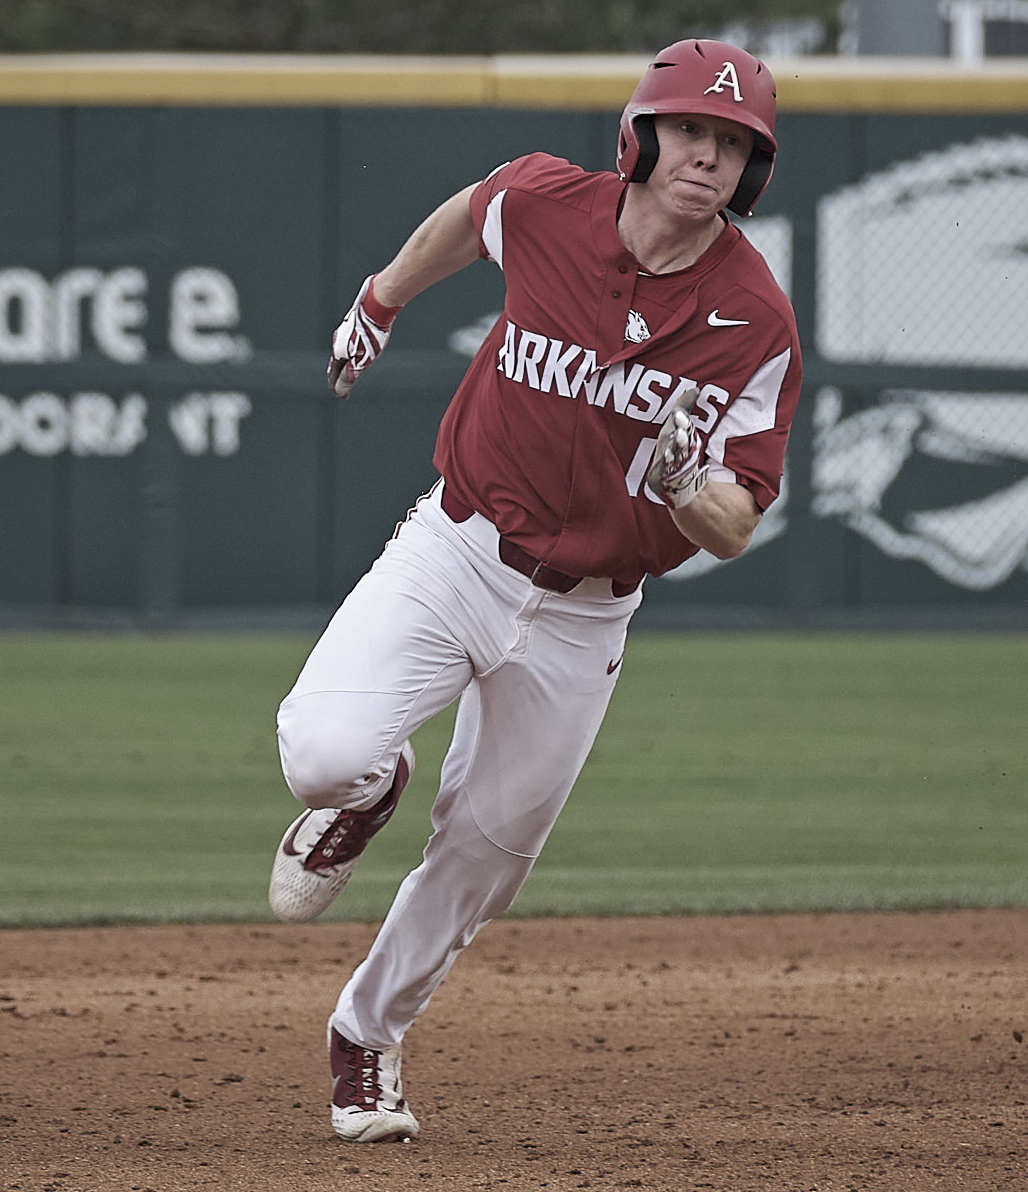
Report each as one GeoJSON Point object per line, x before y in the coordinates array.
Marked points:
{"type": "Point", "coordinates": [794, 1053]}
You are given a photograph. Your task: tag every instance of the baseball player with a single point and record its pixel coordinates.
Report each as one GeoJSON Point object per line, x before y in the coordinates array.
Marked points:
{"type": "Point", "coordinates": [629, 408]}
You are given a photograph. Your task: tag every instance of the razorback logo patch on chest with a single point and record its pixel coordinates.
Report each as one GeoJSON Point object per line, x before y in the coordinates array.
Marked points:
{"type": "Point", "coordinates": [636, 329]}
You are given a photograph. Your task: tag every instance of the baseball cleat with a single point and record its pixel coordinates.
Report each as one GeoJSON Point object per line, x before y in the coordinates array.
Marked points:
{"type": "Point", "coordinates": [318, 853]}
{"type": "Point", "coordinates": [367, 1093]}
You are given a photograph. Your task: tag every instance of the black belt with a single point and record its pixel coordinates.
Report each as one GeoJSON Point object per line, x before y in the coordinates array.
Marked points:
{"type": "Point", "coordinates": [518, 559]}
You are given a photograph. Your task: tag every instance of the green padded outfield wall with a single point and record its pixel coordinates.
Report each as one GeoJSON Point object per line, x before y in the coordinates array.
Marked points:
{"type": "Point", "coordinates": [176, 247]}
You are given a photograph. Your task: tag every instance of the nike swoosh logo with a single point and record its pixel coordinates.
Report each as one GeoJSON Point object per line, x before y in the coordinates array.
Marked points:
{"type": "Point", "coordinates": [612, 665]}
{"type": "Point", "coordinates": [287, 844]}
{"type": "Point", "coordinates": [714, 320]}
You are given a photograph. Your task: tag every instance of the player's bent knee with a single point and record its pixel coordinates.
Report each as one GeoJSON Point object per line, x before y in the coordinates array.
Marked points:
{"type": "Point", "coordinates": [327, 761]}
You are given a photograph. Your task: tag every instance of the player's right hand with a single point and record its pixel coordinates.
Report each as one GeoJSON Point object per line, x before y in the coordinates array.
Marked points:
{"type": "Point", "coordinates": [356, 344]}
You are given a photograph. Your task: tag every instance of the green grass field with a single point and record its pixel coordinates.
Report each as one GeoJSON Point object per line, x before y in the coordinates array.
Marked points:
{"type": "Point", "coordinates": [139, 779]}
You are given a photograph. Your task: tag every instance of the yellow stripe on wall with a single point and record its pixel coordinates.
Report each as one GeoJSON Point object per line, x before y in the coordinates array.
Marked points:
{"type": "Point", "coordinates": [592, 83]}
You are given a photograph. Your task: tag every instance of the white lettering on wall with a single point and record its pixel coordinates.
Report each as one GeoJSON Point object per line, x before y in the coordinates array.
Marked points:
{"type": "Point", "coordinates": [45, 424]}
{"type": "Point", "coordinates": [69, 292]}
{"type": "Point", "coordinates": [118, 308]}
{"type": "Point", "coordinates": [23, 316]}
{"type": "Point", "coordinates": [209, 422]}
{"type": "Point", "coordinates": [204, 306]}
{"type": "Point", "coordinates": [84, 308]}
{"type": "Point", "coordinates": [85, 312]}
{"type": "Point", "coordinates": [42, 321]}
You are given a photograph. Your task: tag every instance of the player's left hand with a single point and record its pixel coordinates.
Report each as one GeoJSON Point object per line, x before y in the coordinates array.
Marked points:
{"type": "Point", "coordinates": [356, 343]}
{"type": "Point", "coordinates": [677, 472]}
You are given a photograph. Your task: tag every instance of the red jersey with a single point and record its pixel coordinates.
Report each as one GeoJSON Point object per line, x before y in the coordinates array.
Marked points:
{"type": "Point", "coordinates": [552, 429]}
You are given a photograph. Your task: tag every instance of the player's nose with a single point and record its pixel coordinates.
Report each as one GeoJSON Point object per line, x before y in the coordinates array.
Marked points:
{"type": "Point", "coordinates": [705, 151]}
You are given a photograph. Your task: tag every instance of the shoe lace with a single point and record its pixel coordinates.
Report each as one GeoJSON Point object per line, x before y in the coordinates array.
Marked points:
{"type": "Point", "coordinates": [348, 834]}
{"type": "Point", "coordinates": [359, 1076]}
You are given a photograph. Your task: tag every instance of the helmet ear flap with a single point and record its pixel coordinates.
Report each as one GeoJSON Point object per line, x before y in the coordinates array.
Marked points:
{"type": "Point", "coordinates": [646, 136]}
{"type": "Point", "coordinates": [755, 176]}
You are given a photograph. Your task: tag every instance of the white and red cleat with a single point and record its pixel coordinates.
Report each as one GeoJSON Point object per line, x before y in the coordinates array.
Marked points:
{"type": "Point", "coordinates": [317, 855]}
{"type": "Point", "coordinates": [367, 1093]}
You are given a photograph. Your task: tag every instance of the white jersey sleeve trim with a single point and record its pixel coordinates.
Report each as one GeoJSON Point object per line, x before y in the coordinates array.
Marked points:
{"type": "Point", "coordinates": [492, 228]}
{"type": "Point", "coordinates": [755, 409]}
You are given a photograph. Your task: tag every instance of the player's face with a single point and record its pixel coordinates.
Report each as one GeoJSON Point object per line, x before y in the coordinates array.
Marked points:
{"type": "Point", "coordinates": [700, 162]}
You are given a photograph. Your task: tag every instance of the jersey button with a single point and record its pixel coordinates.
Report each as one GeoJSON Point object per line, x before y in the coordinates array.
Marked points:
{"type": "Point", "coordinates": [622, 268]}
{"type": "Point", "coordinates": [615, 293]}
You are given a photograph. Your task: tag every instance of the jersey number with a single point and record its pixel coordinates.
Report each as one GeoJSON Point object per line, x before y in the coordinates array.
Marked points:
{"type": "Point", "coordinates": [635, 476]}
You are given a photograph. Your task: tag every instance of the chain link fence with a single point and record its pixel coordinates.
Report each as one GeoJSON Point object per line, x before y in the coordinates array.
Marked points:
{"type": "Point", "coordinates": [923, 266]}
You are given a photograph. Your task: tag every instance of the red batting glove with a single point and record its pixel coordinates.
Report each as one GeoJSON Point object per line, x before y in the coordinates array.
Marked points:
{"type": "Point", "coordinates": [359, 339]}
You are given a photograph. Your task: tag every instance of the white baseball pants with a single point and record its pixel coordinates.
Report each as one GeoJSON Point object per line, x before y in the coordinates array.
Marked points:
{"type": "Point", "coordinates": [439, 616]}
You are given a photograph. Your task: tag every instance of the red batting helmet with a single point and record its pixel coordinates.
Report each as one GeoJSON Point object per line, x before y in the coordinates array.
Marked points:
{"type": "Point", "coordinates": [710, 78]}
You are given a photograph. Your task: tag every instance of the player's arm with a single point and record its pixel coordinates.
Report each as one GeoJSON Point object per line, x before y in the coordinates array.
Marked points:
{"type": "Point", "coordinates": [721, 519]}
{"type": "Point", "coordinates": [445, 243]}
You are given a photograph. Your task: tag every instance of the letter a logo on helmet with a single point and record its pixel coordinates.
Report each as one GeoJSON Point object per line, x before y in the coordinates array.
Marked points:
{"type": "Point", "coordinates": [678, 82]}
{"type": "Point", "coordinates": [726, 77]}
